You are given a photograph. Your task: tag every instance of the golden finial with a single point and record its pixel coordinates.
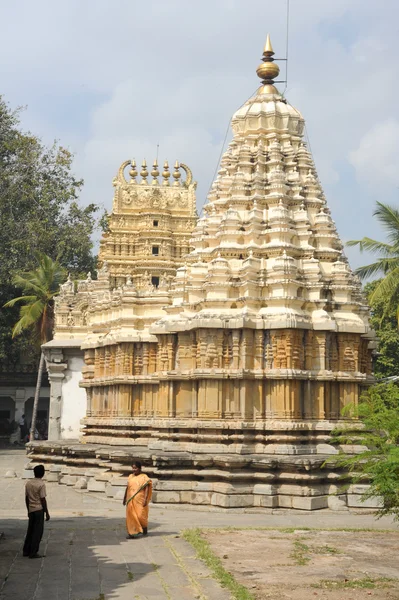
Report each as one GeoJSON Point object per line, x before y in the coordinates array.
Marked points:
{"type": "Point", "coordinates": [133, 171]}
{"type": "Point", "coordinates": [166, 173]}
{"type": "Point", "coordinates": [144, 171]}
{"type": "Point", "coordinates": [268, 70]}
{"type": "Point", "coordinates": [155, 172]}
{"type": "Point", "coordinates": [176, 173]}
{"type": "Point", "coordinates": [268, 49]}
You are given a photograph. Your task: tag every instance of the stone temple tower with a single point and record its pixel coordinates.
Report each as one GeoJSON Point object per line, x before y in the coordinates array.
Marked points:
{"type": "Point", "coordinates": [231, 394]}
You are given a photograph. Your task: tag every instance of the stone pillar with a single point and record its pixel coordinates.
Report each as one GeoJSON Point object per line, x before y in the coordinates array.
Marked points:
{"type": "Point", "coordinates": [56, 373]}
{"type": "Point", "coordinates": [20, 397]}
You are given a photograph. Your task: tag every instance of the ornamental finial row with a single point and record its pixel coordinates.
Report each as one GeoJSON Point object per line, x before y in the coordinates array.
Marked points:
{"type": "Point", "coordinates": [154, 174]}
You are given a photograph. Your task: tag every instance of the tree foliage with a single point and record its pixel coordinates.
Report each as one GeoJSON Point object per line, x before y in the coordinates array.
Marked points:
{"type": "Point", "coordinates": [378, 464]}
{"type": "Point", "coordinates": [388, 262]}
{"type": "Point", "coordinates": [39, 286]}
{"type": "Point", "coordinates": [39, 212]}
{"type": "Point", "coordinates": [384, 321]}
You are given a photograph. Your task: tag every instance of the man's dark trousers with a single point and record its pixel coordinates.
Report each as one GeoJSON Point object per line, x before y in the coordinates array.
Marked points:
{"type": "Point", "coordinates": [34, 533]}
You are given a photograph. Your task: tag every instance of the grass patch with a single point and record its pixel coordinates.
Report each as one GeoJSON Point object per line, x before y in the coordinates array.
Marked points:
{"type": "Point", "coordinates": [299, 529]}
{"type": "Point", "coordinates": [130, 576]}
{"type": "Point", "coordinates": [325, 550]}
{"type": "Point", "coordinates": [368, 583]}
{"type": "Point", "coordinates": [205, 553]}
{"type": "Point", "coordinates": [300, 553]}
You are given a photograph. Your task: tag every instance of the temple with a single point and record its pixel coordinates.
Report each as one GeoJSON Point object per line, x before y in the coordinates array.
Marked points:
{"type": "Point", "coordinates": [223, 349]}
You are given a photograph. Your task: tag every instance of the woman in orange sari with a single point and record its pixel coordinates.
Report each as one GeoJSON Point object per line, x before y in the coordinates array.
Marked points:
{"type": "Point", "coordinates": [137, 496]}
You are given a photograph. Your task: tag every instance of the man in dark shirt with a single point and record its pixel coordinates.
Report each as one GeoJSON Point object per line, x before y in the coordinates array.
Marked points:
{"type": "Point", "coordinates": [35, 499]}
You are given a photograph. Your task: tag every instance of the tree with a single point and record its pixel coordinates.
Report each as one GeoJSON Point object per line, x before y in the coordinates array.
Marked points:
{"type": "Point", "coordinates": [39, 287]}
{"type": "Point", "coordinates": [383, 319]}
{"type": "Point", "coordinates": [378, 464]}
{"type": "Point", "coordinates": [387, 288]}
{"type": "Point", "coordinates": [39, 212]}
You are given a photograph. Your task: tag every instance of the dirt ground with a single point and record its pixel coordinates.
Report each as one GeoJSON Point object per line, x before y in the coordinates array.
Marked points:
{"type": "Point", "coordinates": [299, 565]}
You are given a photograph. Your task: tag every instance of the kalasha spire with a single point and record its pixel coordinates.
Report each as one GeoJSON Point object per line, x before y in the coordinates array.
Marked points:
{"type": "Point", "coordinates": [268, 70]}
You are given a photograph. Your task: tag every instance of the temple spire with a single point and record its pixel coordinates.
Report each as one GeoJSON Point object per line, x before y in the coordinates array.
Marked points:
{"type": "Point", "coordinates": [268, 70]}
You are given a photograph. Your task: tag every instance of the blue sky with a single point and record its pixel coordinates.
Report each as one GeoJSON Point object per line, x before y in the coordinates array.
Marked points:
{"type": "Point", "coordinates": [111, 80]}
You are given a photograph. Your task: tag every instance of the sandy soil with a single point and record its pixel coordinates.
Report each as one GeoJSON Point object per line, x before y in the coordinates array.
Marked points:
{"type": "Point", "coordinates": [331, 565]}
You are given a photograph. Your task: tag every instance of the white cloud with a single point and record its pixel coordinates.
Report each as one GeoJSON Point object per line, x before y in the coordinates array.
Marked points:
{"type": "Point", "coordinates": [113, 79]}
{"type": "Point", "coordinates": [376, 159]}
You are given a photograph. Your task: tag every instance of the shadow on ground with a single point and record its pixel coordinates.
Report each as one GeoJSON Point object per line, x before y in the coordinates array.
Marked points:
{"type": "Point", "coordinates": [86, 558]}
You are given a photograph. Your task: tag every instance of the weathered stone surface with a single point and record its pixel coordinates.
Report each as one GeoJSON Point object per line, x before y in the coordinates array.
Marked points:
{"type": "Point", "coordinates": [355, 501]}
{"type": "Point", "coordinates": [337, 502]}
{"type": "Point", "coordinates": [96, 486]}
{"type": "Point", "coordinates": [10, 474]}
{"type": "Point", "coordinates": [81, 484]}
{"type": "Point", "coordinates": [233, 501]}
{"type": "Point", "coordinates": [310, 503]}
{"type": "Point", "coordinates": [68, 480]}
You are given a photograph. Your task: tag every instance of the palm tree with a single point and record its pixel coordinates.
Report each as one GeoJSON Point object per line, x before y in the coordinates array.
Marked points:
{"type": "Point", "coordinates": [39, 287]}
{"type": "Point", "coordinates": [388, 263]}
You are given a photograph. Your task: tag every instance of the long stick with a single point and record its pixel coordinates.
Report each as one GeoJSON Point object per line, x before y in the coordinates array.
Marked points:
{"type": "Point", "coordinates": [36, 400]}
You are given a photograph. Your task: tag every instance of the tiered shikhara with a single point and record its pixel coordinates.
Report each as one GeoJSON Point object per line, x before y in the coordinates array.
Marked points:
{"type": "Point", "coordinates": [247, 356]}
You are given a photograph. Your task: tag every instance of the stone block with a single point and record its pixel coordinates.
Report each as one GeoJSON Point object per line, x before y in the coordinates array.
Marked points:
{"type": "Point", "coordinates": [68, 479]}
{"type": "Point", "coordinates": [284, 501]}
{"type": "Point", "coordinates": [232, 501]}
{"type": "Point", "coordinates": [326, 449]}
{"type": "Point", "coordinates": [119, 494]}
{"type": "Point", "coordinates": [111, 490]}
{"type": "Point", "coordinates": [10, 474]}
{"type": "Point", "coordinates": [203, 486]}
{"type": "Point", "coordinates": [351, 448]}
{"type": "Point", "coordinates": [358, 488]}
{"type": "Point", "coordinates": [167, 497]}
{"type": "Point", "coordinates": [201, 497]}
{"type": "Point", "coordinates": [174, 485]}
{"type": "Point", "coordinates": [81, 484]}
{"type": "Point", "coordinates": [355, 501]}
{"type": "Point", "coordinates": [230, 488]}
{"type": "Point", "coordinates": [54, 468]}
{"type": "Point", "coordinates": [337, 502]}
{"type": "Point", "coordinates": [266, 489]}
{"type": "Point", "coordinates": [301, 490]}
{"type": "Point", "coordinates": [96, 486]}
{"type": "Point", "coordinates": [53, 477]}
{"type": "Point", "coordinates": [310, 503]}
{"type": "Point", "coordinates": [27, 474]}
{"type": "Point", "coordinates": [266, 501]}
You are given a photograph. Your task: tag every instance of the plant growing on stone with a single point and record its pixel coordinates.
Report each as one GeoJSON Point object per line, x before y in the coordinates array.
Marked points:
{"type": "Point", "coordinates": [378, 464]}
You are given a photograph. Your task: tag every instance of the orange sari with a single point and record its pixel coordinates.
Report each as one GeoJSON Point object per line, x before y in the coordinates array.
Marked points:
{"type": "Point", "coordinates": [136, 513]}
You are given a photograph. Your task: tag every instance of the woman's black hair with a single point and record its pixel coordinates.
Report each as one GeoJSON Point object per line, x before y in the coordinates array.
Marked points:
{"type": "Point", "coordinates": [137, 463]}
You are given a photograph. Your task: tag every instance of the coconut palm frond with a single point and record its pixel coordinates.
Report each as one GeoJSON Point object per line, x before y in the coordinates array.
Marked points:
{"type": "Point", "coordinates": [30, 315]}
{"type": "Point", "coordinates": [387, 287]}
{"type": "Point", "coordinates": [39, 287]}
{"type": "Point", "coordinates": [24, 299]}
{"type": "Point", "coordinates": [369, 245]}
{"type": "Point", "coordinates": [389, 218]}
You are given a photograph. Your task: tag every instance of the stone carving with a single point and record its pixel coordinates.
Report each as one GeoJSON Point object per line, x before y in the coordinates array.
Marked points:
{"type": "Point", "coordinates": [68, 287]}
{"type": "Point", "coordinates": [261, 336]}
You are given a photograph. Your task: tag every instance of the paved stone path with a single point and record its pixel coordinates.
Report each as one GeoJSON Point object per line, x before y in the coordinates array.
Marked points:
{"type": "Point", "coordinates": [88, 557]}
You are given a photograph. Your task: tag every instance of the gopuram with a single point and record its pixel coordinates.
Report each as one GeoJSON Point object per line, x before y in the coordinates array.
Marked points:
{"type": "Point", "coordinates": [225, 359]}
